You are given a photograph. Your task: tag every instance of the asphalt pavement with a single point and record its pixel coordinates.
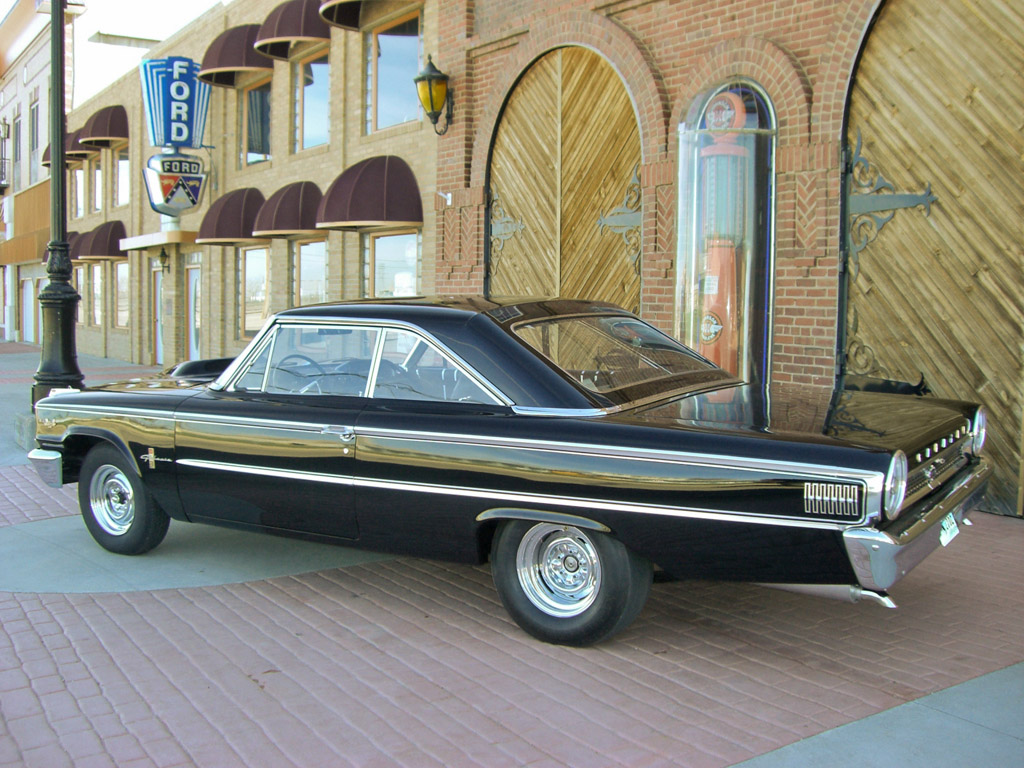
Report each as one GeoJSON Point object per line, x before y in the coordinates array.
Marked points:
{"type": "Point", "coordinates": [222, 648]}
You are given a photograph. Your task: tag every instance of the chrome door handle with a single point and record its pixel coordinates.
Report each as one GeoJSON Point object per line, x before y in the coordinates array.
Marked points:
{"type": "Point", "coordinates": [345, 434]}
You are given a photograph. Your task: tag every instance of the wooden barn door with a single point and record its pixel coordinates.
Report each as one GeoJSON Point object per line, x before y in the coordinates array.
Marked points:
{"type": "Point", "coordinates": [935, 201]}
{"type": "Point", "coordinates": [565, 211]}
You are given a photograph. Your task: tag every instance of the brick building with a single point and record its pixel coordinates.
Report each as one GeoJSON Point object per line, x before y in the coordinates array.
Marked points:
{"type": "Point", "coordinates": [798, 189]}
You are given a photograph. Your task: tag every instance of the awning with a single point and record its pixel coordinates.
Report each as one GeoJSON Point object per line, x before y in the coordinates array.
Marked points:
{"type": "Point", "coordinates": [289, 212]}
{"type": "Point", "coordinates": [341, 13]}
{"type": "Point", "coordinates": [379, 192]}
{"type": "Point", "coordinates": [106, 127]}
{"type": "Point", "coordinates": [103, 242]}
{"type": "Point", "coordinates": [296, 21]}
{"type": "Point", "coordinates": [74, 149]}
{"type": "Point", "coordinates": [232, 53]}
{"type": "Point", "coordinates": [231, 217]}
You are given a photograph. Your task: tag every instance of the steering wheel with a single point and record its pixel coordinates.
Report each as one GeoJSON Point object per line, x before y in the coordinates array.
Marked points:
{"type": "Point", "coordinates": [282, 367]}
{"type": "Point", "coordinates": [388, 370]}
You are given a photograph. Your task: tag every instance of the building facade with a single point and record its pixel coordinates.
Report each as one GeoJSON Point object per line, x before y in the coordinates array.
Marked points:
{"type": "Point", "coordinates": [799, 190]}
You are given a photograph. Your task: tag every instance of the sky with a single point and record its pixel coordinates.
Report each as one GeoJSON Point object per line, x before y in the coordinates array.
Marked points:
{"type": "Point", "coordinates": [96, 64]}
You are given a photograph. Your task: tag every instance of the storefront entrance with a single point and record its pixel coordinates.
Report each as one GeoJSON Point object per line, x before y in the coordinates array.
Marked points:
{"type": "Point", "coordinates": [565, 211]}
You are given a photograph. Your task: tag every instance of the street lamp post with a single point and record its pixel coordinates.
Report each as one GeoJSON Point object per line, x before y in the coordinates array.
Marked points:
{"type": "Point", "coordinates": [58, 363]}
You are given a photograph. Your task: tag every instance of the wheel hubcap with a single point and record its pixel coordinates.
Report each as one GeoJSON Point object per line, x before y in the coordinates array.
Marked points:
{"type": "Point", "coordinates": [111, 500]}
{"type": "Point", "coordinates": [559, 569]}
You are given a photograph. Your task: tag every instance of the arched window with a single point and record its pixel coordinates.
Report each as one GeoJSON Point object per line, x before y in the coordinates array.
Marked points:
{"type": "Point", "coordinates": [726, 228]}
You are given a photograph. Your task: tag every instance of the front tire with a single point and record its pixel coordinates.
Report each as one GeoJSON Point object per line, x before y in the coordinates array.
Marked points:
{"type": "Point", "coordinates": [118, 509]}
{"type": "Point", "coordinates": [567, 585]}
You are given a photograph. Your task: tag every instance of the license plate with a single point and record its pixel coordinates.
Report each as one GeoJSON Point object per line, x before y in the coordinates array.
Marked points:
{"type": "Point", "coordinates": [949, 529]}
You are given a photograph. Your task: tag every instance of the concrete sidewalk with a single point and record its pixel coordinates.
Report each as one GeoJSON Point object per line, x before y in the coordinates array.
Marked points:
{"type": "Point", "coordinates": [272, 659]}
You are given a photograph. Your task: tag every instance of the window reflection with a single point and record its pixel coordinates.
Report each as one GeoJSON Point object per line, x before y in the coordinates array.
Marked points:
{"type": "Point", "coordinates": [312, 107]}
{"type": "Point", "coordinates": [393, 60]}
{"type": "Point", "coordinates": [255, 131]}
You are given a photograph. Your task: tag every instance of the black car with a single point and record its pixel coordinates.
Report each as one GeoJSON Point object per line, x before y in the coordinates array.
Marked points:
{"type": "Point", "coordinates": [572, 445]}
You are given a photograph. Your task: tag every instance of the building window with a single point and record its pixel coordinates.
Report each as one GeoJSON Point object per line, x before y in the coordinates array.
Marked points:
{"type": "Point", "coordinates": [16, 153]}
{"type": "Point", "coordinates": [311, 87]}
{"type": "Point", "coordinates": [391, 264]}
{"type": "Point", "coordinates": [392, 60]}
{"type": "Point", "coordinates": [253, 294]}
{"type": "Point", "coordinates": [97, 184]}
{"type": "Point", "coordinates": [122, 179]}
{"type": "Point", "coordinates": [97, 294]}
{"type": "Point", "coordinates": [310, 273]}
{"type": "Point", "coordinates": [33, 143]}
{"type": "Point", "coordinates": [726, 229]}
{"type": "Point", "coordinates": [79, 283]}
{"type": "Point", "coordinates": [255, 128]}
{"type": "Point", "coordinates": [78, 192]}
{"type": "Point", "coordinates": [122, 291]}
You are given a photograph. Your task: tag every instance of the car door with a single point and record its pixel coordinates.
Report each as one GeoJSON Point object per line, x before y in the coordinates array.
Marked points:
{"type": "Point", "coordinates": [275, 448]}
{"type": "Point", "coordinates": [416, 449]}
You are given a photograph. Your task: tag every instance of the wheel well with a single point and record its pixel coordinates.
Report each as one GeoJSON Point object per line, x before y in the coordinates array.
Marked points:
{"type": "Point", "coordinates": [77, 445]}
{"type": "Point", "coordinates": [490, 519]}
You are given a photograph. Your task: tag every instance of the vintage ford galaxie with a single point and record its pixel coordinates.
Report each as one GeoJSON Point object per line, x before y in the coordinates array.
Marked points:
{"type": "Point", "coordinates": [572, 445]}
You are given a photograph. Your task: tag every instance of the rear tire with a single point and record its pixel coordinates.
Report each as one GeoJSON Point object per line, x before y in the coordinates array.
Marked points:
{"type": "Point", "coordinates": [567, 585]}
{"type": "Point", "coordinates": [118, 509]}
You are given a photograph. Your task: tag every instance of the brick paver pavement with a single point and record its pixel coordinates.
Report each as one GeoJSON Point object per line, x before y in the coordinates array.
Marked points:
{"type": "Point", "coordinates": [414, 663]}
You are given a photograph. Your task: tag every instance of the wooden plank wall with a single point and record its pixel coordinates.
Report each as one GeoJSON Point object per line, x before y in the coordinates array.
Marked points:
{"type": "Point", "coordinates": [939, 99]}
{"type": "Point", "coordinates": [566, 150]}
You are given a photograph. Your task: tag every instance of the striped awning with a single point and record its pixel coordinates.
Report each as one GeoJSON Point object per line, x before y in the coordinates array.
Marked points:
{"type": "Point", "coordinates": [342, 13]}
{"type": "Point", "coordinates": [106, 127]}
{"type": "Point", "coordinates": [296, 21]}
{"type": "Point", "coordinates": [232, 53]}
{"type": "Point", "coordinates": [289, 212]}
{"type": "Point", "coordinates": [103, 242]}
{"type": "Point", "coordinates": [231, 218]}
{"type": "Point", "coordinates": [380, 192]}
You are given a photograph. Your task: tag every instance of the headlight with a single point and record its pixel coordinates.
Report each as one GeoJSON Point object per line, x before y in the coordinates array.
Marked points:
{"type": "Point", "coordinates": [895, 485]}
{"type": "Point", "coordinates": [979, 430]}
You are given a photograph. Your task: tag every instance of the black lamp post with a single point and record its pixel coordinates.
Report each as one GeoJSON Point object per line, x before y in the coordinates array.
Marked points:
{"type": "Point", "coordinates": [434, 94]}
{"type": "Point", "coordinates": [58, 363]}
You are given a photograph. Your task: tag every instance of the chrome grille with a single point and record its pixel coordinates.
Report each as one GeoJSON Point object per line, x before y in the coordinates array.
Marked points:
{"type": "Point", "coordinates": [832, 500]}
{"type": "Point", "coordinates": [936, 463]}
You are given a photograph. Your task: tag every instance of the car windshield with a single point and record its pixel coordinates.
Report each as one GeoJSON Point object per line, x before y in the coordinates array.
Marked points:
{"type": "Point", "coordinates": [606, 353]}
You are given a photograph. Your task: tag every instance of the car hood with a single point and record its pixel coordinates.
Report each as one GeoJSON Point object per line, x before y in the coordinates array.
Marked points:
{"type": "Point", "coordinates": [872, 420]}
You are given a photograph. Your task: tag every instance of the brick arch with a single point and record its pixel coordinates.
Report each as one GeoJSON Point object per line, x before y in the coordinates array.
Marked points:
{"type": "Point", "coordinates": [775, 70]}
{"type": "Point", "coordinates": [849, 34]}
{"type": "Point", "coordinates": [610, 41]}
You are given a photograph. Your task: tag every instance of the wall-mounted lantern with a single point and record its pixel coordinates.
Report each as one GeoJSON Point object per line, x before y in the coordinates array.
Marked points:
{"type": "Point", "coordinates": [435, 96]}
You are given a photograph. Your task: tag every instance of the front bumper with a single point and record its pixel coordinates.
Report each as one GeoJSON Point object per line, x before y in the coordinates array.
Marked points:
{"type": "Point", "coordinates": [881, 558]}
{"type": "Point", "coordinates": [49, 465]}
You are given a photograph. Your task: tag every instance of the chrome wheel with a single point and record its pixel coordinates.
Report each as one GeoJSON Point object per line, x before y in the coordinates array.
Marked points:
{"type": "Point", "coordinates": [112, 500]}
{"type": "Point", "coordinates": [559, 569]}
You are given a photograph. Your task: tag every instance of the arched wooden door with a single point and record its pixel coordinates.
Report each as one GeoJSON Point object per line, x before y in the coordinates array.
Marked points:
{"type": "Point", "coordinates": [565, 215]}
{"type": "Point", "coordinates": [936, 200]}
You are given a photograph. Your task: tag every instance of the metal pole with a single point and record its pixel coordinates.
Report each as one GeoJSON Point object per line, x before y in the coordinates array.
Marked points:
{"type": "Point", "coordinates": [58, 363]}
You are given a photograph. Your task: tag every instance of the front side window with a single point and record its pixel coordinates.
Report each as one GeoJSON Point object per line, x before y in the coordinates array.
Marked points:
{"type": "Point", "coordinates": [358, 361]}
{"type": "Point", "coordinates": [123, 192]}
{"type": "Point", "coordinates": [726, 226]}
{"type": "Point", "coordinates": [254, 131]}
{"type": "Point", "coordinates": [392, 61]}
{"type": "Point", "coordinates": [312, 103]}
{"type": "Point", "coordinates": [391, 264]}
{"type": "Point", "coordinates": [310, 276]}
{"type": "Point", "coordinates": [254, 296]}
{"type": "Point", "coordinates": [123, 294]}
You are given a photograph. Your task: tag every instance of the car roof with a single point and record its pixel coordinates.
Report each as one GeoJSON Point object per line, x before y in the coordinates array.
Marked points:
{"type": "Point", "coordinates": [503, 311]}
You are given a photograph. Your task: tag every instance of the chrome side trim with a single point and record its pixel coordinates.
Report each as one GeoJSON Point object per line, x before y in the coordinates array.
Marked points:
{"type": "Point", "coordinates": [514, 496]}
